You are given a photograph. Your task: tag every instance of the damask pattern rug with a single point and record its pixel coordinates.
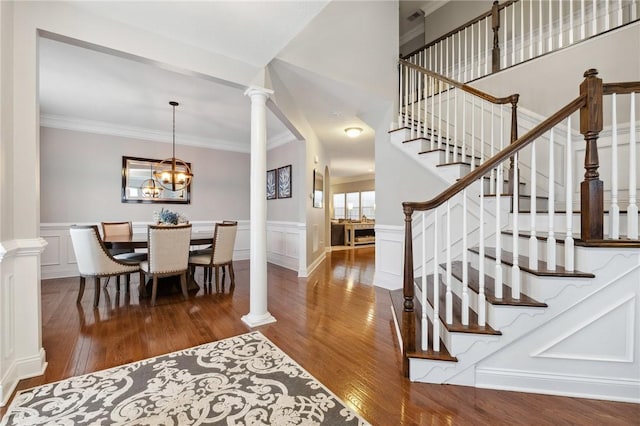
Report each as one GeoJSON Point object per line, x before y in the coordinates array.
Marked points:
{"type": "Point", "coordinates": [243, 380]}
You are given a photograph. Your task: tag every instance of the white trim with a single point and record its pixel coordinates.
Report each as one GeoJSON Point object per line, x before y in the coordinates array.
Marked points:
{"type": "Point", "coordinates": [21, 369]}
{"type": "Point", "coordinates": [580, 386]}
{"type": "Point", "coordinates": [104, 128]}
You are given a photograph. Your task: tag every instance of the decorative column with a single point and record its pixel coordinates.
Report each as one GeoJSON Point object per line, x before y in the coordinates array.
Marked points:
{"type": "Point", "coordinates": [258, 313]}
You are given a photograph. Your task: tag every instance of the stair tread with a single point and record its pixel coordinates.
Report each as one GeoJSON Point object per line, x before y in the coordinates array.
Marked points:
{"type": "Point", "coordinates": [397, 303]}
{"type": "Point", "coordinates": [623, 241]}
{"type": "Point", "coordinates": [523, 263]}
{"type": "Point", "coordinates": [457, 325]}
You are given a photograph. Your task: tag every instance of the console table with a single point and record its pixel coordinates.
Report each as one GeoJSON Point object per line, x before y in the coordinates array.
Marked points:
{"type": "Point", "coordinates": [359, 233]}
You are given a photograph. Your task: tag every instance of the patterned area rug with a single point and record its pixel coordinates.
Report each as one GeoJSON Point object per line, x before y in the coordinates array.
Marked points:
{"type": "Point", "coordinates": [243, 380]}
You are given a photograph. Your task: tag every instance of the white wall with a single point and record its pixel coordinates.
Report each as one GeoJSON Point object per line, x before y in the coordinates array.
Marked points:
{"type": "Point", "coordinates": [81, 179]}
{"type": "Point", "coordinates": [452, 15]}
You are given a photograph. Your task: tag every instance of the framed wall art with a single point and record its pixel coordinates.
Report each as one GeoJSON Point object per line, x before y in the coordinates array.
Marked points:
{"type": "Point", "coordinates": [284, 182]}
{"type": "Point", "coordinates": [272, 184]}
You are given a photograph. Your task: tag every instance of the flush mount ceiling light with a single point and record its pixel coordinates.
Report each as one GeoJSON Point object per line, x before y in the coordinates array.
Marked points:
{"type": "Point", "coordinates": [173, 174]}
{"type": "Point", "coordinates": [353, 132]}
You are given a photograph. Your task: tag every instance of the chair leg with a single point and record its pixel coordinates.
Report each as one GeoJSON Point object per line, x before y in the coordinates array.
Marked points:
{"type": "Point", "coordinates": [127, 282]}
{"type": "Point", "coordinates": [232, 277]}
{"type": "Point", "coordinates": [154, 290]}
{"type": "Point", "coordinates": [183, 284]}
{"type": "Point", "coordinates": [217, 283]}
{"type": "Point", "coordinates": [81, 291]}
{"type": "Point", "coordinates": [117, 284]}
{"type": "Point", "coordinates": [142, 288]}
{"type": "Point", "coordinates": [96, 296]}
{"type": "Point", "coordinates": [224, 276]}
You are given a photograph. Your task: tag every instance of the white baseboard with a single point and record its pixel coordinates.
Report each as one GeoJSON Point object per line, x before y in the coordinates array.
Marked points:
{"type": "Point", "coordinates": [21, 369]}
{"type": "Point", "coordinates": [623, 390]}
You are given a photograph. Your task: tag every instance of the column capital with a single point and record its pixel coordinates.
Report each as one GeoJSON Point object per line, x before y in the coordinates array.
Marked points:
{"type": "Point", "coordinates": [258, 91]}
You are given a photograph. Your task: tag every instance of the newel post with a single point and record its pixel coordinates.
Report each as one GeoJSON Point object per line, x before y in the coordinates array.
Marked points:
{"type": "Point", "coordinates": [514, 137]}
{"type": "Point", "coordinates": [408, 315]}
{"type": "Point", "coordinates": [591, 189]}
{"type": "Point", "coordinates": [495, 25]}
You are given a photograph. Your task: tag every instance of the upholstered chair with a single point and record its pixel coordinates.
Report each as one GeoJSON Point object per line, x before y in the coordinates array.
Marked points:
{"type": "Point", "coordinates": [219, 256]}
{"type": "Point", "coordinates": [168, 256]}
{"type": "Point", "coordinates": [121, 229]}
{"type": "Point", "coordinates": [94, 259]}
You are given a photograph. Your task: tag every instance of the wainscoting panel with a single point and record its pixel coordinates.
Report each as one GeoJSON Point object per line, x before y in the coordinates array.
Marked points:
{"type": "Point", "coordinates": [389, 240]}
{"type": "Point", "coordinates": [283, 244]}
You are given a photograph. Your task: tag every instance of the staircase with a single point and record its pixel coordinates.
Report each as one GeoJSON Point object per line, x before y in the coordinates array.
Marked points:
{"type": "Point", "coordinates": [500, 290]}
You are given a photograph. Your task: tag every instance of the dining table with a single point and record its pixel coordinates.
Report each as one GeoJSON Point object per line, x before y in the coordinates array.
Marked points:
{"type": "Point", "coordinates": [141, 240]}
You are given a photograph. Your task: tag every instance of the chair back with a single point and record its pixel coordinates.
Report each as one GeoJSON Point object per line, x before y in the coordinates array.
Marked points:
{"type": "Point", "coordinates": [116, 229]}
{"type": "Point", "coordinates": [224, 239]}
{"type": "Point", "coordinates": [168, 248]}
{"type": "Point", "coordinates": [92, 256]}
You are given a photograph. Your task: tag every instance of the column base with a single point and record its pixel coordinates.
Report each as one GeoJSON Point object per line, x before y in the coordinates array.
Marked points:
{"type": "Point", "coordinates": [258, 320]}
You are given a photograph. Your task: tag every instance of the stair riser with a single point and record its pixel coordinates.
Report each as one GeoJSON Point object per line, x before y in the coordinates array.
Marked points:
{"type": "Point", "coordinates": [541, 245]}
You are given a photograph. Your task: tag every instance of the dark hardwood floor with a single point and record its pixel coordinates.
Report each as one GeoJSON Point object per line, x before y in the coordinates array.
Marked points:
{"type": "Point", "coordinates": [334, 323]}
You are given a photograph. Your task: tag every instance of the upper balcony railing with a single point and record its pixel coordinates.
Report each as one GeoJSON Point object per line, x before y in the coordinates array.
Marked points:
{"type": "Point", "coordinates": [518, 30]}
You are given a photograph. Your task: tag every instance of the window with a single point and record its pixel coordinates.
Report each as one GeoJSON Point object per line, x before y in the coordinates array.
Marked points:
{"type": "Point", "coordinates": [354, 205]}
{"type": "Point", "coordinates": [338, 206]}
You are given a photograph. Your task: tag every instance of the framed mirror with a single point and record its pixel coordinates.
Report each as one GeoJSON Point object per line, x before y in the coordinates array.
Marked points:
{"type": "Point", "coordinates": [318, 190]}
{"type": "Point", "coordinates": [136, 173]}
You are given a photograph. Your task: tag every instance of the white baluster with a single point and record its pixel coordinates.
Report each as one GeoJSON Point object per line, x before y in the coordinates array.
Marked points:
{"type": "Point", "coordinates": [569, 256]}
{"type": "Point", "coordinates": [614, 210]}
{"type": "Point", "coordinates": [412, 88]}
{"type": "Point", "coordinates": [634, 10]}
{"type": "Point", "coordinates": [406, 97]}
{"type": "Point", "coordinates": [550, 40]}
{"type": "Point", "coordinates": [472, 151]}
{"type": "Point", "coordinates": [582, 21]}
{"type": "Point", "coordinates": [472, 57]}
{"type": "Point", "coordinates": [632, 210]}
{"type": "Point", "coordinates": [530, 29]}
{"type": "Point", "coordinates": [513, 34]}
{"type": "Point", "coordinates": [606, 15]}
{"type": "Point", "coordinates": [533, 238]}
{"type": "Point", "coordinates": [540, 28]}
{"type": "Point", "coordinates": [465, 262]}
{"type": "Point", "coordinates": [487, 49]}
{"type": "Point", "coordinates": [433, 112]}
{"type": "Point", "coordinates": [436, 285]}
{"type": "Point", "coordinates": [460, 60]}
{"type": "Point", "coordinates": [425, 124]}
{"type": "Point", "coordinates": [448, 295]}
{"type": "Point", "coordinates": [446, 62]}
{"type": "Point", "coordinates": [493, 179]}
{"type": "Point", "coordinates": [594, 22]}
{"type": "Point", "coordinates": [482, 309]}
{"type": "Point", "coordinates": [504, 37]}
{"type": "Point", "coordinates": [479, 61]}
{"type": "Point", "coordinates": [401, 98]}
{"type": "Point", "coordinates": [423, 299]}
{"type": "Point", "coordinates": [439, 127]}
{"type": "Point", "coordinates": [466, 57]}
{"type": "Point", "coordinates": [521, 32]}
{"type": "Point", "coordinates": [571, 22]}
{"type": "Point", "coordinates": [560, 20]}
{"type": "Point", "coordinates": [619, 12]}
{"type": "Point", "coordinates": [464, 126]}
{"type": "Point", "coordinates": [420, 76]}
{"type": "Point", "coordinates": [455, 123]}
{"type": "Point", "coordinates": [515, 268]}
{"type": "Point", "coordinates": [482, 120]}
{"type": "Point", "coordinates": [551, 240]}
{"type": "Point", "coordinates": [447, 140]}
{"type": "Point", "coordinates": [498, 266]}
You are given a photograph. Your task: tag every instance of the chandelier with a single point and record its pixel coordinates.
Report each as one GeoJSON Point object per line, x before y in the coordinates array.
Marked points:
{"type": "Point", "coordinates": [172, 173]}
{"type": "Point", "coordinates": [150, 188]}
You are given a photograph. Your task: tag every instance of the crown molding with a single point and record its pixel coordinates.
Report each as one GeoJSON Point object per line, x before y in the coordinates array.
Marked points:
{"type": "Point", "coordinates": [104, 128]}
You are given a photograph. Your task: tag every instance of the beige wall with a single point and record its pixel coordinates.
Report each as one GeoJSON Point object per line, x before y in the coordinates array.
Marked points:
{"type": "Point", "coordinates": [452, 15]}
{"type": "Point", "coordinates": [81, 179]}
{"type": "Point", "coordinates": [286, 209]}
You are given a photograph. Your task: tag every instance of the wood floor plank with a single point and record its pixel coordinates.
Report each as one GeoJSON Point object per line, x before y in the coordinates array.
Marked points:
{"type": "Point", "coordinates": [334, 323]}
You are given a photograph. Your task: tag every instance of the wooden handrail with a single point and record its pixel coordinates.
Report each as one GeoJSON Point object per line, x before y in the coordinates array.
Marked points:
{"type": "Point", "coordinates": [511, 99]}
{"type": "Point", "coordinates": [621, 88]}
{"type": "Point", "coordinates": [462, 27]}
{"type": "Point", "coordinates": [484, 168]}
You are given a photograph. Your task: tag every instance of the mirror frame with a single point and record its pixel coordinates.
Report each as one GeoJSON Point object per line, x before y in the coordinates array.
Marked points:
{"type": "Point", "coordinates": [127, 172]}
{"type": "Point", "coordinates": [318, 189]}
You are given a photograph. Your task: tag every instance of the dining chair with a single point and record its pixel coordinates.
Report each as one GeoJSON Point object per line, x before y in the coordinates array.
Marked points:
{"type": "Point", "coordinates": [219, 256]}
{"type": "Point", "coordinates": [168, 256]}
{"type": "Point", "coordinates": [94, 259]}
{"type": "Point", "coordinates": [118, 229]}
